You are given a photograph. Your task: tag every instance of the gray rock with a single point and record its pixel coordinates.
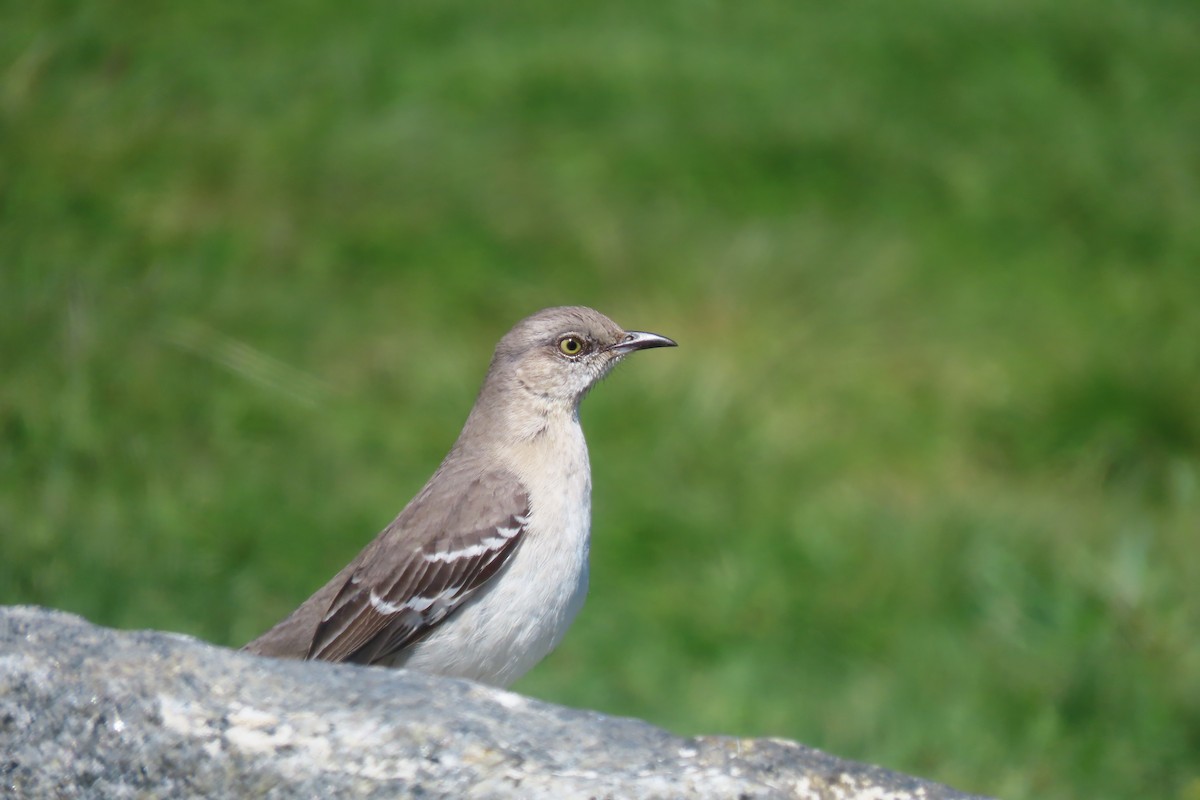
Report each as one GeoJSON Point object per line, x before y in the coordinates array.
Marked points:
{"type": "Point", "coordinates": [91, 712]}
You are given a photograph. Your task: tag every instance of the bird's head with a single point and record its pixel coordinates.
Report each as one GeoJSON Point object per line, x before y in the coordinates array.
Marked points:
{"type": "Point", "coordinates": [558, 354]}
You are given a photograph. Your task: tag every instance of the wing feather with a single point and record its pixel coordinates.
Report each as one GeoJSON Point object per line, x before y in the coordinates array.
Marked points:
{"type": "Point", "coordinates": [438, 553]}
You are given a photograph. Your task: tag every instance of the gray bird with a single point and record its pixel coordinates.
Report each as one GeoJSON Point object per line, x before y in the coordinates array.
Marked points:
{"type": "Point", "coordinates": [483, 571]}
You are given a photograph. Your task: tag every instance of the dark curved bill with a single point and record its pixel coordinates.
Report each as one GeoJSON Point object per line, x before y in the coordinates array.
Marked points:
{"type": "Point", "coordinates": [641, 340]}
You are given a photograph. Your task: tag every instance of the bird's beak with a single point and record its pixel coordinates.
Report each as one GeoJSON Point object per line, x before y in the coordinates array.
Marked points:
{"type": "Point", "coordinates": [640, 340]}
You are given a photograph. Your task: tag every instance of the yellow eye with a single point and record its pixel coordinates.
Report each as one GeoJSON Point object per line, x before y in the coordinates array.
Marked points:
{"type": "Point", "coordinates": [570, 345]}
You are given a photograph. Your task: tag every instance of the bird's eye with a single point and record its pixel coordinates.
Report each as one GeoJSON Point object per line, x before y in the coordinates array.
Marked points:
{"type": "Point", "coordinates": [570, 345]}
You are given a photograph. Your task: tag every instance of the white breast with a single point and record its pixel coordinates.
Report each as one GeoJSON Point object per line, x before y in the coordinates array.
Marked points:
{"type": "Point", "coordinates": [524, 611]}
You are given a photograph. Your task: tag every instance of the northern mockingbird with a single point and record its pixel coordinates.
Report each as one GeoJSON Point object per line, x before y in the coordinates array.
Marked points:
{"type": "Point", "coordinates": [483, 571]}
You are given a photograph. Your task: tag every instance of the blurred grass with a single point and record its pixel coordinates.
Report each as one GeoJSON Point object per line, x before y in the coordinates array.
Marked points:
{"type": "Point", "coordinates": [922, 484]}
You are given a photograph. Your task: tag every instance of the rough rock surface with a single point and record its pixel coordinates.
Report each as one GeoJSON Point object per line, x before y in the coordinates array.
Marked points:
{"type": "Point", "coordinates": [91, 712]}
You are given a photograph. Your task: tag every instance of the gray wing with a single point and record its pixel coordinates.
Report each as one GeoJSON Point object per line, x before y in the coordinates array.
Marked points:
{"type": "Point", "coordinates": [446, 544]}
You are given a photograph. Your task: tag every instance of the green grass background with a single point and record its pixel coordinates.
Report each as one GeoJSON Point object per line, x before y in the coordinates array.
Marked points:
{"type": "Point", "coordinates": [920, 486]}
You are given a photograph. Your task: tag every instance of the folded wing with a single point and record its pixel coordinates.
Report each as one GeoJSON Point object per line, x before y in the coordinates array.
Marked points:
{"type": "Point", "coordinates": [442, 549]}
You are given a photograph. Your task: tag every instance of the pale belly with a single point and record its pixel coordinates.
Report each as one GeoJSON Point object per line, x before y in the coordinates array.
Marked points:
{"type": "Point", "coordinates": [525, 610]}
